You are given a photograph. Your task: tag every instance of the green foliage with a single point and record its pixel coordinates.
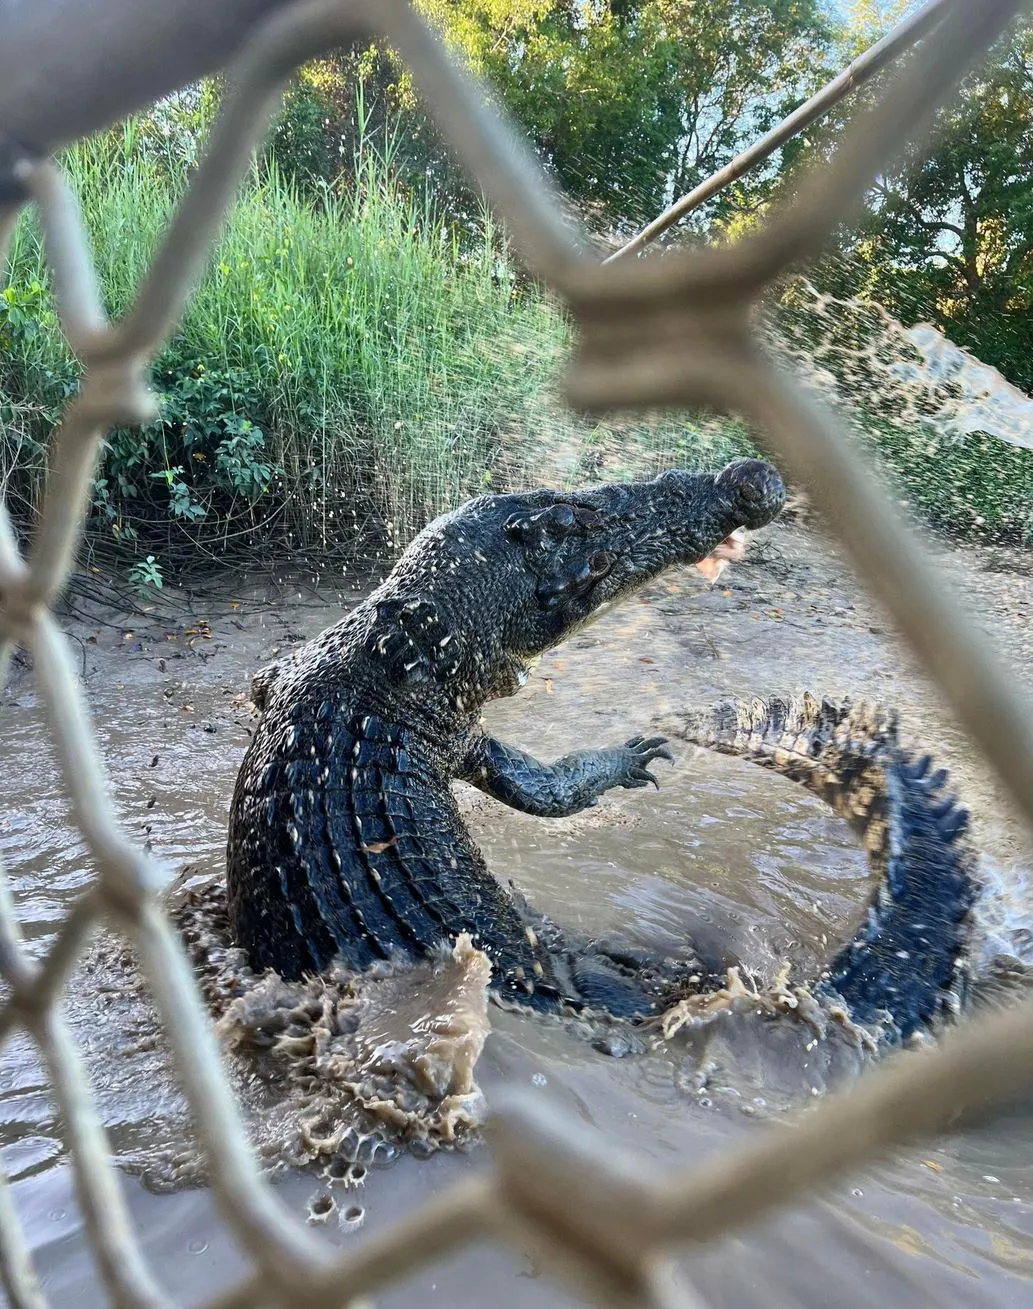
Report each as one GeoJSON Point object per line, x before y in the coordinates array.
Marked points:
{"type": "Point", "coordinates": [346, 370]}
{"type": "Point", "coordinates": [361, 354]}
{"type": "Point", "coordinates": [19, 316]}
{"type": "Point", "coordinates": [949, 236]}
{"type": "Point", "coordinates": [301, 141]}
{"type": "Point", "coordinates": [627, 101]}
{"type": "Point", "coordinates": [37, 377]}
{"type": "Point", "coordinates": [632, 100]}
{"type": "Point", "coordinates": [980, 487]}
{"type": "Point", "coordinates": [203, 457]}
{"type": "Point", "coordinates": [863, 363]}
{"type": "Point", "coordinates": [145, 575]}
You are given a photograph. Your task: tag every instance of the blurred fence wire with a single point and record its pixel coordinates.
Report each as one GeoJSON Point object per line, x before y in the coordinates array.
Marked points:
{"type": "Point", "coordinates": [675, 331]}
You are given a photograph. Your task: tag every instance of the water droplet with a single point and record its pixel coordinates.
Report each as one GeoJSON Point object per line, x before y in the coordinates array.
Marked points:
{"type": "Point", "coordinates": [857, 1193]}
{"type": "Point", "coordinates": [539, 1079]}
{"type": "Point", "coordinates": [55, 1215]}
{"type": "Point", "coordinates": [989, 1177]}
{"type": "Point", "coordinates": [197, 1245]}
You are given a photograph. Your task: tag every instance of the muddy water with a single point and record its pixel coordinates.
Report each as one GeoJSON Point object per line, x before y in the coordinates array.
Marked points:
{"type": "Point", "coordinates": [728, 855]}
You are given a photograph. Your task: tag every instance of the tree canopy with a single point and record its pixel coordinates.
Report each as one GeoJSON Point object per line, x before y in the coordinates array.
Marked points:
{"type": "Point", "coordinates": [632, 102]}
{"type": "Point", "coordinates": [948, 235]}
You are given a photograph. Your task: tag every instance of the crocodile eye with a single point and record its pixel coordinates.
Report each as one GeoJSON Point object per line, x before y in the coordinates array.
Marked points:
{"type": "Point", "coordinates": [561, 518]}
{"type": "Point", "coordinates": [516, 527]}
{"type": "Point", "coordinates": [601, 563]}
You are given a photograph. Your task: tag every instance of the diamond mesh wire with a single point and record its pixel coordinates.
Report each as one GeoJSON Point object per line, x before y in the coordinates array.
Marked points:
{"type": "Point", "coordinates": [676, 333]}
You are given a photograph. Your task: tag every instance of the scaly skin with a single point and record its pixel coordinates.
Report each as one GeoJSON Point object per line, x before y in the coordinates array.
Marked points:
{"type": "Point", "coordinates": [906, 964]}
{"type": "Point", "coordinates": [345, 840]}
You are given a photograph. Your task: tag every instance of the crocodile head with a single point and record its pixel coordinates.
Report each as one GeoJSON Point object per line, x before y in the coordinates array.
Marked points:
{"type": "Point", "coordinates": [484, 590]}
{"type": "Point", "coordinates": [587, 550]}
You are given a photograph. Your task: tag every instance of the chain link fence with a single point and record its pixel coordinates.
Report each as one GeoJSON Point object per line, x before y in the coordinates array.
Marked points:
{"type": "Point", "coordinates": [670, 332]}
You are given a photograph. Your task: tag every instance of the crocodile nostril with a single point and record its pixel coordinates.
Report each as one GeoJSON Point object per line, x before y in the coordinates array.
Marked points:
{"type": "Point", "coordinates": [755, 487]}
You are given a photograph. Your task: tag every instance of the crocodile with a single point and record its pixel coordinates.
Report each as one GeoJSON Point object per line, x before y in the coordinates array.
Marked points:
{"type": "Point", "coordinates": [346, 842]}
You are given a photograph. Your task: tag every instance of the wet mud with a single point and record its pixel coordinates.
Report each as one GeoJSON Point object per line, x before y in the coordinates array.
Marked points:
{"type": "Point", "coordinates": [341, 1077]}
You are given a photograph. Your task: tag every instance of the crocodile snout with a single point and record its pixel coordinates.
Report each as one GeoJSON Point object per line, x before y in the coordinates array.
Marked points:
{"type": "Point", "coordinates": [754, 490]}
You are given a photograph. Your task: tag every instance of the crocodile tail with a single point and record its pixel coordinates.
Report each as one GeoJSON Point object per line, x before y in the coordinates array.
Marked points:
{"type": "Point", "coordinates": [906, 965]}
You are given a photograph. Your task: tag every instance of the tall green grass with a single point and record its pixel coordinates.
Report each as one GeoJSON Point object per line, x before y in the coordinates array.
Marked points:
{"type": "Point", "coordinates": [348, 365]}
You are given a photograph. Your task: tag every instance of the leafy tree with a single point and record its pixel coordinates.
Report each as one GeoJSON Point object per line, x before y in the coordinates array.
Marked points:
{"type": "Point", "coordinates": [949, 237]}
{"type": "Point", "coordinates": [633, 101]}
{"type": "Point", "coordinates": [629, 102]}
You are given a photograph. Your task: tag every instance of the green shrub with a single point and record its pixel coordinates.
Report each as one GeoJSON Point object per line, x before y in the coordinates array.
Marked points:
{"type": "Point", "coordinates": [979, 487]}
{"type": "Point", "coordinates": [348, 366]}
{"type": "Point", "coordinates": [853, 351]}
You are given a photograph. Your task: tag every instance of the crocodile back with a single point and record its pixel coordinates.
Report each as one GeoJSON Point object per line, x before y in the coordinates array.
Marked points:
{"type": "Point", "coordinates": [346, 843]}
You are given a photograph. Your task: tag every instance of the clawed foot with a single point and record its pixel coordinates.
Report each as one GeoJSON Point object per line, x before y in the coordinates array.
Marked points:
{"type": "Point", "coordinates": [641, 751]}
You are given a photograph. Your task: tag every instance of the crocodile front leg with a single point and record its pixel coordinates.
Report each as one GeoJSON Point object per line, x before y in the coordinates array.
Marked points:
{"type": "Point", "coordinates": [567, 786]}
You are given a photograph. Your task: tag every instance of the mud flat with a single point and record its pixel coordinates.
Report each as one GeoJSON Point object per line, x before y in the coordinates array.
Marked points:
{"type": "Point", "coordinates": [724, 852]}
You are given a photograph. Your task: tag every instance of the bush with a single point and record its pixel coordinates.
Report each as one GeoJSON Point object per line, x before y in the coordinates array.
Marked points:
{"type": "Point", "coordinates": [348, 368]}
{"type": "Point", "coordinates": [979, 487]}
{"type": "Point", "coordinates": [351, 365]}
{"type": "Point", "coordinates": [907, 417]}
